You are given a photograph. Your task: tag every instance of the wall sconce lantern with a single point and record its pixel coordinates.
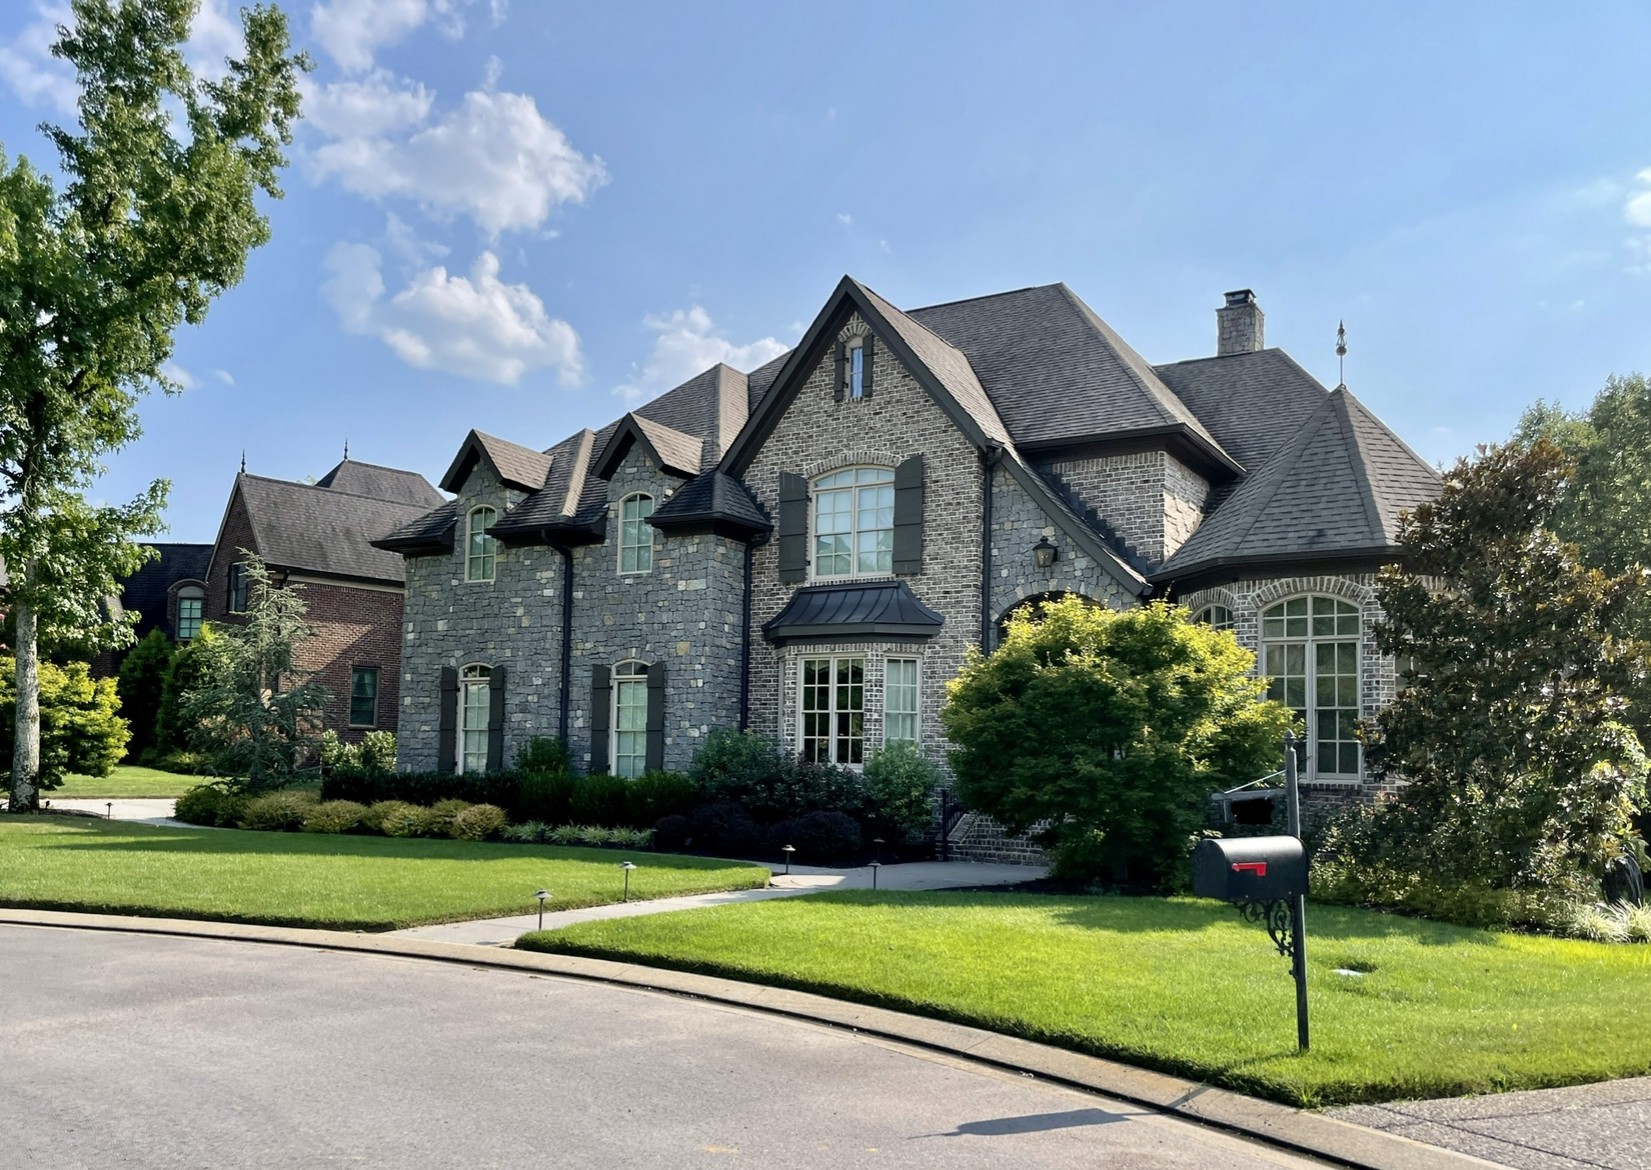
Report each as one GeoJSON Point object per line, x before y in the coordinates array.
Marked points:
{"type": "Point", "coordinates": [1044, 552]}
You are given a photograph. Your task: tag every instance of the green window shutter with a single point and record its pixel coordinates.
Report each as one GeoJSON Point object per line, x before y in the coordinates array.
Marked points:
{"type": "Point", "coordinates": [495, 719]}
{"type": "Point", "coordinates": [655, 759]}
{"type": "Point", "coordinates": [447, 722]}
{"type": "Point", "coordinates": [601, 700]}
{"type": "Point", "coordinates": [908, 516]}
{"type": "Point", "coordinates": [866, 365]}
{"type": "Point", "coordinates": [793, 527]}
{"type": "Point", "coordinates": [840, 387]}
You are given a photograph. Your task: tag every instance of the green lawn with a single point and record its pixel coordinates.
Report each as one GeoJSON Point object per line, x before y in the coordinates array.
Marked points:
{"type": "Point", "coordinates": [305, 879]}
{"type": "Point", "coordinates": [1187, 987]}
{"type": "Point", "coordinates": [127, 781]}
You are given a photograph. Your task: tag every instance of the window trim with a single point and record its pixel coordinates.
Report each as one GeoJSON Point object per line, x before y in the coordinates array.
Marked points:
{"type": "Point", "coordinates": [1206, 616]}
{"type": "Point", "coordinates": [477, 675]}
{"type": "Point", "coordinates": [488, 555]}
{"type": "Point", "coordinates": [349, 716]}
{"type": "Point", "coordinates": [854, 380]}
{"type": "Point", "coordinates": [641, 526]}
{"type": "Point", "coordinates": [1312, 774]}
{"type": "Point", "coordinates": [197, 595]}
{"type": "Point", "coordinates": [238, 588]}
{"type": "Point", "coordinates": [916, 712]}
{"type": "Point", "coordinates": [624, 677]}
{"type": "Point", "coordinates": [832, 711]}
{"type": "Point", "coordinates": [853, 534]}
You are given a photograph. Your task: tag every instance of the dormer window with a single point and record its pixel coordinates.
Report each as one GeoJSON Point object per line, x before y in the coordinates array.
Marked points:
{"type": "Point", "coordinates": [636, 535]}
{"type": "Point", "coordinates": [482, 552]}
{"type": "Point", "coordinates": [854, 523]}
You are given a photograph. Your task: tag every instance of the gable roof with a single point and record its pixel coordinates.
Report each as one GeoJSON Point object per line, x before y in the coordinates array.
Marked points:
{"type": "Point", "coordinates": [512, 464]}
{"type": "Point", "coordinates": [318, 529]}
{"type": "Point", "coordinates": [381, 483]}
{"type": "Point", "coordinates": [669, 448]}
{"type": "Point", "coordinates": [1334, 489]}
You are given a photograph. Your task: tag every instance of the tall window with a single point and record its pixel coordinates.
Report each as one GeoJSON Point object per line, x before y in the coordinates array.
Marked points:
{"type": "Point", "coordinates": [636, 535]}
{"type": "Point", "coordinates": [474, 701]}
{"type": "Point", "coordinates": [900, 699]}
{"type": "Point", "coordinates": [630, 719]}
{"type": "Point", "coordinates": [854, 353]}
{"type": "Point", "coordinates": [364, 697]}
{"type": "Point", "coordinates": [483, 556]}
{"type": "Point", "coordinates": [191, 603]}
{"type": "Point", "coordinates": [237, 588]}
{"type": "Point", "coordinates": [1310, 648]}
{"type": "Point", "coordinates": [834, 710]}
{"type": "Point", "coordinates": [1218, 616]}
{"type": "Point", "coordinates": [854, 523]}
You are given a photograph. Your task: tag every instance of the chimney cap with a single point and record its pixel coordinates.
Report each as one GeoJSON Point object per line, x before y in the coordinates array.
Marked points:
{"type": "Point", "coordinates": [1241, 296]}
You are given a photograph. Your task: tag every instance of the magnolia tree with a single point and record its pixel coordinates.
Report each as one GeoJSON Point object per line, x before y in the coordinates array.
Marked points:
{"type": "Point", "coordinates": [152, 218]}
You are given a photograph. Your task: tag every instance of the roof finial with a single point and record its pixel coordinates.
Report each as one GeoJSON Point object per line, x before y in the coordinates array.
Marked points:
{"type": "Point", "coordinates": [243, 460]}
{"type": "Point", "coordinates": [1341, 353]}
{"type": "Point", "coordinates": [346, 449]}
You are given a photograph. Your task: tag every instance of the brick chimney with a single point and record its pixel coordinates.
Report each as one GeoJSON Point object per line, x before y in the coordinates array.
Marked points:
{"type": "Point", "coordinates": [1239, 324]}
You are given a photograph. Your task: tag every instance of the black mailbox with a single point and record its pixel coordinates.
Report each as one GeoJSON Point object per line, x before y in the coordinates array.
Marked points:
{"type": "Point", "coordinates": [1249, 869]}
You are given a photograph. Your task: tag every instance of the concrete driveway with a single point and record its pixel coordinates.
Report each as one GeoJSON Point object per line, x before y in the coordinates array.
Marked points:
{"type": "Point", "coordinates": [139, 1051]}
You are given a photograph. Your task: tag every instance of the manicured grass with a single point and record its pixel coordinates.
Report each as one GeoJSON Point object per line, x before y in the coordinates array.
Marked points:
{"type": "Point", "coordinates": [127, 781]}
{"type": "Point", "coordinates": [305, 879]}
{"type": "Point", "coordinates": [1187, 987]}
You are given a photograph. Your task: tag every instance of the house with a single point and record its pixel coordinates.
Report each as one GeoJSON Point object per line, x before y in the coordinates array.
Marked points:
{"type": "Point", "coordinates": [168, 593]}
{"type": "Point", "coordinates": [810, 549]}
{"type": "Point", "coordinates": [319, 535]}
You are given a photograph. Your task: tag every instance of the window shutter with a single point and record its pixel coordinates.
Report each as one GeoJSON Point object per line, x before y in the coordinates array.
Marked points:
{"type": "Point", "coordinates": [495, 720]}
{"type": "Point", "coordinates": [840, 387]}
{"type": "Point", "coordinates": [793, 527]}
{"type": "Point", "coordinates": [655, 760]}
{"type": "Point", "coordinates": [601, 700]}
{"type": "Point", "coordinates": [447, 722]}
{"type": "Point", "coordinates": [866, 366]}
{"type": "Point", "coordinates": [908, 516]}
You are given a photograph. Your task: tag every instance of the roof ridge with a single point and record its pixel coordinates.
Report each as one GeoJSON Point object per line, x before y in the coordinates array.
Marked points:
{"type": "Point", "coordinates": [584, 442]}
{"type": "Point", "coordinates": [1305, 433]}
{"type": "Point", "coordinates": [376, 466]}
{"type": "Point", "coordinates": [1125, 353]}
{"type": "Point", "coordinates": [1216, 357]}
{"type": "Point", "coordinates": [896, 308]}
{"type": "Point", "coordinates": [982, 297]}
{"type": "Point", "coordinates": [331, 491]}
{"type": "Point", "coordinates": [1361, 469]}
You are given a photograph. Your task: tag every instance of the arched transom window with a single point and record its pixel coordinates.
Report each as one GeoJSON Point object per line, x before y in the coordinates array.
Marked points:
{"type": "Point", "coordinates": [1310, 650]}
{"type": "Point", "coordinates": [630, 719]}
{"type": "Point", "coordinates": [1218, 616]}
{"type": "Point", "coordinates": [474, 700]}
{"type": "Point", "coordinates": [636, 535]}
{"type": "Point", "coordinates": [482, 551]}
{"type": "Point", "coordinates": [854, 523]}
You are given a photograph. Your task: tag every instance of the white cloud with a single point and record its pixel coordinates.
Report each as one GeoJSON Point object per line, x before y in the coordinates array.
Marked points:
{"type": "Point", "coordinates": [495, 158]}
{"type": "Point", "coordinates": [224, 376]}
{"type": "Point", "coordinates": [352, 31]}
{"type": "Point", "coordinates": [173, 372]}
{"type": "Point", "coordinates": [687, 344]}
{"type": "Point", "coordinates": [477, 326]}
{"type": "Point", "coordinates": [845, 219]}
{"type": "Point", "coordinates": [1638, 208]}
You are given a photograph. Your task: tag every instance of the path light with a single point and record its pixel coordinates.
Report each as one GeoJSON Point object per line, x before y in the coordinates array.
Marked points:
{"type": "Point", "coordinates": [788, 850]}
{"type": "Point", "coordinates": [109, 810]}
{"type": "Point", "coordinates": [878, 841]}
{"type": "Point", "coordinates": [542, 895]}
{"type": "Point", "coordinates": [627, 867]}
{"type": "Point", "coordinates": [875, 866]}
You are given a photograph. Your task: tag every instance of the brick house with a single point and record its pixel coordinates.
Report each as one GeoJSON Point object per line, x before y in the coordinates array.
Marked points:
{"type": "Point", "coordinates": [168, 593]}
{"type": "Point", "coordinates": [811, 548]}
{"type": "Point", "coordinates": [320, 536]}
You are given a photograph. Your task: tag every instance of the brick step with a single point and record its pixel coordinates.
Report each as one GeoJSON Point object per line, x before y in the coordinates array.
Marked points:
{"type": "Point", "coordinates": [977, 837]}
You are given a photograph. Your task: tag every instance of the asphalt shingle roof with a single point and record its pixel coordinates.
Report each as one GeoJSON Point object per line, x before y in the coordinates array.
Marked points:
{"type": "Point", "coordinates": [323, 530]}
{"type": "Point", "coordinates": [145, 590]}
{"type": "Point", "coordinates": [514, 465]}
{"type": "Point", "coordinates": [1250, 402]}
{"type": "Point", "coordinates": [432, 529]}
{"type": "Point", "coordinates": [711, 494]}
{"type": "Point", "coordinates": [381, 483]}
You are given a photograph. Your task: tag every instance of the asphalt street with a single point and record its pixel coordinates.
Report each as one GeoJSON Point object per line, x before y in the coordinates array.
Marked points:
{"type": "Point", "coordinates": [124, 1050]}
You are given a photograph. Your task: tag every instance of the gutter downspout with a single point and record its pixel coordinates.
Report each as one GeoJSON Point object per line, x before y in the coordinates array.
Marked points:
{"type": "Point", "coordinates": [989, 457]}
{"type": "Point", "coordinates": [564, 692]}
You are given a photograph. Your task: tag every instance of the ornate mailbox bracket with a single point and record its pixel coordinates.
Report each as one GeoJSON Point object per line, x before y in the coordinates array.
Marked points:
{"type": "Point", "coordinates": [1280, 918]}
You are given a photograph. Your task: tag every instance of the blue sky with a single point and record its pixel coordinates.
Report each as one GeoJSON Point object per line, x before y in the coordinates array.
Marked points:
{"type": "Point", "coordinates": [523, 216]}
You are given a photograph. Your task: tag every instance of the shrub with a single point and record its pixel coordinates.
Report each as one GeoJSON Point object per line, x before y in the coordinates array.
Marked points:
{"type": "Point", "coordinates": [632, 838]}
{"type": "Point", "coordinates": [901, 781]}
{"type": "Point", "coordinates": [426, 788]}
{"type": "Point", "coordinates": [820, 837]}
{"type": "Point", "coordinates": [437, 820]}
{"type": "Point", "coordinates": [182, 763]}
{"type": "Point", "coordinates": [393, 818]}
{"type": "Point", "coordinates": [526, 833]}
{"type": "Point", "coordinates": [733, 765]}
{"type": "Point", "coordinates": [139, 683]}
{"type": "Point", "coordinates": [599, 799]}
{"type": "Point", "coordinates": [750, 768]}
{"type": "Point", "coordinates": [335, 816]}
{"type": "Point", "coordinates": [210, 804]}
{"type": "Point", "coordinates": [671, 833]}
{"type": "Point", "coordinates": [657, 794]}
{"type": "Point", "coordinates": [565, 835]}
{"type": "Point", "coordinates": [184, 673]}
{"type": "Point", "coordinates": [281, 811]}
{"type": "Point", "coordinates": [595, 836]}
{"type": "Point", "coordinates": [545, 796]}
{"type": "Point", "coordinates": [80, 727]}
{"type": "Point", "coordinates": [544, 755]}
{"type": "Point", "coordinates": [479, 822]}
{"type": "Point", "coordinates": [378, 752]}
{"type": "Point", "coordinates": [726, 828]}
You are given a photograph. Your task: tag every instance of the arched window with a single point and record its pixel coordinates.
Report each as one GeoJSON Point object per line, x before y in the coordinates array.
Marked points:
{"type": "Point", "coordinates": [630, 719]}
{"type": "Point", "coordinates": [1217, 616]}
{"type": "Point", "coordinates": [482, 556]}
{"type": "Point", "coordinates": [1310, 650]}
{"type": "Point", "coordinates": [191, 607]}
{"type": "Point", "coordinates": [854, 523]}
{"type": "Point", "coordinates": [636, 535]}
{"type": "Point", "coordinates": [475, 684]}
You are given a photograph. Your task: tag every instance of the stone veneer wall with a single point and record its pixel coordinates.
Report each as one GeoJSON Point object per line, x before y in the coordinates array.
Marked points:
{"type": "Point", "coordinates": [1247, 598]}
{"type": "Point", "coordinates": [1153, 500]}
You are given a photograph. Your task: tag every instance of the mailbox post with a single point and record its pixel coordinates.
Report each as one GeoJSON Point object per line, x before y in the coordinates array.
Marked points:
{"type": "Point", "coordinates": [1266, 878]}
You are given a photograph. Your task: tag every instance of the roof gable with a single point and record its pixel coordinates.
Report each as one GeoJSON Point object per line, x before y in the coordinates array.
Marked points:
{"type": "Point", "coordinates": [317, 529]}
{"type": "Point", "coordinates": [669, 448]}
{"type": "Point", "coordinates": [512, 464]}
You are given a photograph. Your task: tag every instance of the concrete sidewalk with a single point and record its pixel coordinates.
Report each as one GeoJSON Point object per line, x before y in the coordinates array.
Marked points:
{"type": "Point", "coordinates": [145, 811]}
{"type": "Point", "coordinates": [919, 875]}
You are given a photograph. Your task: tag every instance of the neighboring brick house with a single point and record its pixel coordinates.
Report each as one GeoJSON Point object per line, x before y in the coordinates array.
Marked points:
{"type": "Point", "coordinates": [320, 536]}
{"type": "Point", "coordinates": [811, 549]}
{"type": "Point", "coordinates": [168, 593]}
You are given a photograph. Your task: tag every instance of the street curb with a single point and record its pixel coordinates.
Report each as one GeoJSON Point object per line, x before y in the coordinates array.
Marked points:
{"type": "Point", "coordinates": [1297, 1130]}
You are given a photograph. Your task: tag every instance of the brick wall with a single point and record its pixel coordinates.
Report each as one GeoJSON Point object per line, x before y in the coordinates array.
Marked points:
{"type": "Point", "coordinates": [353, 627]}
{"type": "Point", "coordinates": [1150, 498]}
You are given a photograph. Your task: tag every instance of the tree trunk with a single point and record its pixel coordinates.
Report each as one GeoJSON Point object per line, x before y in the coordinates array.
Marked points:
{"type": "Point", "coordinates": [25, 756]}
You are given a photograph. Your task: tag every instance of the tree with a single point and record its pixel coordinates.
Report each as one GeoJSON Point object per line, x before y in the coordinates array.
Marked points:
{"type": "Point", "coordinates": [255, 710]}
{"type": "Point", "coordinates": [1519, 770]}
{"type": "Point", "coordinates": [140, 682]}
{"type": "Point", "coordinates": [155, 218]}
{"type": "Point", "coordinates": [1113, 727]}
{"type": "Point", "coordinates": [184, 673]}
{"type": "Point", "coordinates": [81, 730]}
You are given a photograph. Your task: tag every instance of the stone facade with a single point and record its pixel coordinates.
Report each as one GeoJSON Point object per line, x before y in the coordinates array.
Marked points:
{"type": "Point", "coordinates": [1018, 521]}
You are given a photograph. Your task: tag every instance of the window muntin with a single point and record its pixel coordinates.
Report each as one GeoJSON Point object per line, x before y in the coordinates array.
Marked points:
{"type": "Point", "coordinates": [364, 696]}
{"type": "Point", "coordinates": [191, 612]}
{"type": "Point", "coordinates": [1310, 651]}
{"type": "Point", "coordinates": [900, 693]}
{"type": "Point", "coordinates": [636, 535]}
{"type": "Point", "coordinates": [629, 750]}
{"type": "Point", "coordinates": [482, 555]}
{"type": "Point", "coordinates": [1215, 616]}
{"type": "Point", "coordinates": [854, 354]}
{"type": "Point", "coordinates": [854, 523]}
{"type": "Point", "coordinates": [475, 703]}
{"type": "Point", "coordinates": [833, 701]}
{"type": "Point", "coordinates": [237, 588]}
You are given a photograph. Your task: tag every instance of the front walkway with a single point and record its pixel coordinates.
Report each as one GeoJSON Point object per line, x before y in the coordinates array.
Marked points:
{"type": "Point", "coordinates": [145, 811]}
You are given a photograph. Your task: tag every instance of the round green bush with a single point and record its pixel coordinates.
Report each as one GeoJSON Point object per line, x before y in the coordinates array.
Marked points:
{"type": "Point", "coordinates": [335, 816]}
{"type": "Point", "coordinates": [278, 812]}
{"type": "Point", "coordinates": [724, 828]}
{"type": "Point", "coordinates": [393, 818]}
{"type": "Point", "coordinates": [209, 804]}
{"type": "Point", "coordinates": [437, 820]}
{"type": "Point", "coordinates": [479, 822]}
{"type": "Point", "coordinates": [819, 837]}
